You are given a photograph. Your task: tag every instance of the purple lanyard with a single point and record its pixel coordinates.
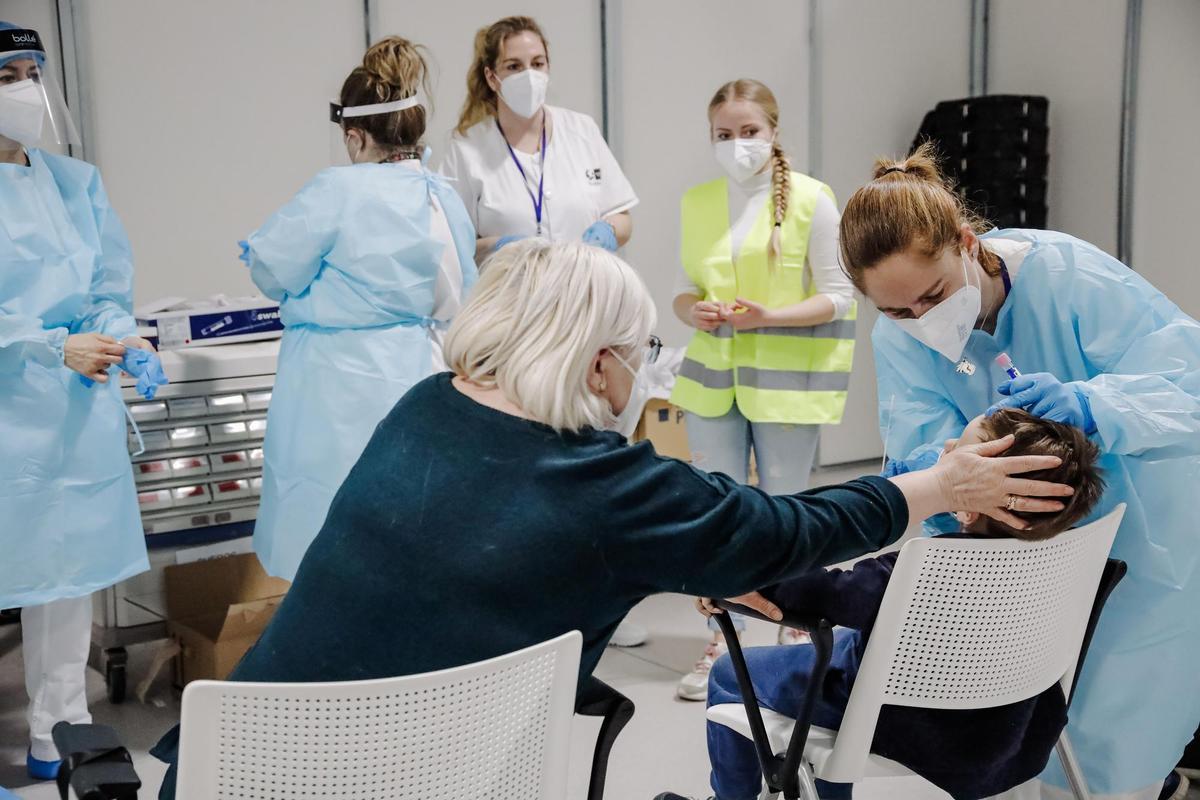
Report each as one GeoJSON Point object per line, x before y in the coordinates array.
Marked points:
{"type": "Point", "coordinates": [540, 199]}
{"type": "Point", "coordinates": [1004, 276]}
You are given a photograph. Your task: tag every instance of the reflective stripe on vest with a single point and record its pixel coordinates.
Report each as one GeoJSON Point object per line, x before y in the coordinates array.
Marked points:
{"type": "Point", "coordinates": [775, 374]}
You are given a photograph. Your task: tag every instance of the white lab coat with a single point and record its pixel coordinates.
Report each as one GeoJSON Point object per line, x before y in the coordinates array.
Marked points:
{"type": "Point", "coordinates": [583, 182]}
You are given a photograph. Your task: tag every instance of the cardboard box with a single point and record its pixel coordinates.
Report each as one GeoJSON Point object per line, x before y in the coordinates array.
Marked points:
{"type": "Point", "coordinates": [216, 609]}
{"type": "Point", "coordinates": [663, 424]}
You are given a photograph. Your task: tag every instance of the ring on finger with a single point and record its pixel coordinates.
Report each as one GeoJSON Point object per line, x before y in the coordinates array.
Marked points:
{"type": "Point", "coordinates": [1012, 502]}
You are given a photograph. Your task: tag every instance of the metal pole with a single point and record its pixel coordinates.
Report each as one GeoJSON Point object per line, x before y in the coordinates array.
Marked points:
{"type": "Point", "coordinates": [604, 68]}
{"type": "Point", "coordinates": [1125, 175]}
{"type": "Point", "coordinates": [980, 34]}
{"type": "Point", "coordinates": [76, 91]}
{"type": "Point", "coordinates": [368, 22]}
{"type": "Point", "coordinates": [816, 151]}
{"type": "Point", "coordinates": [610, 75]}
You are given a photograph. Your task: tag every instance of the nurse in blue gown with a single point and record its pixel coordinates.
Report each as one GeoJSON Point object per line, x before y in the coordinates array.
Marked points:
{"type": "Point", "coordinates": [369, 262]}
{"type": "Point", "coordinates": [1098, 347]}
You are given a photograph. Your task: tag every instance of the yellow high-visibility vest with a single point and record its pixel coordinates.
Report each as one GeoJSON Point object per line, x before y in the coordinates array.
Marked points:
{"type": "Point", "coordinates": [775, 374]}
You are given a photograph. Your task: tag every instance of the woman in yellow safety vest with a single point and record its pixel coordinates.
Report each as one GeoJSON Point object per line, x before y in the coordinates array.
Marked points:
{"type": "Point", "coordinates": [773, 311]}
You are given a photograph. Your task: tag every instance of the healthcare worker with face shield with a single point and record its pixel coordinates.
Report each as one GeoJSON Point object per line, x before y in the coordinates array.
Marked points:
{"type": "Point", "coordinates": [67, 499]}
{"type": "Point", "coordinates": [369, 262]}
{"type": "Point", "coordinates": [1098, 348]}
{"type": "Point", "coordinates": [524, 168]}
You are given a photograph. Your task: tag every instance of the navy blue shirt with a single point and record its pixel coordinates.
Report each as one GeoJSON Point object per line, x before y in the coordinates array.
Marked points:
{"type": "Point", "coordinates": [463, 533]}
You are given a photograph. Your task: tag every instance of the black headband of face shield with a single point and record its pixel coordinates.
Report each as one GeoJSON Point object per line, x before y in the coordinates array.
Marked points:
{"type": "Point", "coordinates": [335, 113]}
{"type": "Point", "coordinates": [20, 40]}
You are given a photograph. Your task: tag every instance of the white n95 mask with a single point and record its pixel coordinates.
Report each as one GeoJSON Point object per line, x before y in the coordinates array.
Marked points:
{"type": "Point", "coordinates": [947, 326]}
{"type": "Point", "coordinates": [22, 112]}
{"type": "Point", "coordinates": [742, 158]}
{"type": "Point", "coordinates": [626, 422]}
{"type": "Point", "coordinates": [525, 92]}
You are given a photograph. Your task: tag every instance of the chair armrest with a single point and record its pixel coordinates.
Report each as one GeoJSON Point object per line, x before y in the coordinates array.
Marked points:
{"type": "Point", "coordinates": [801, 622]}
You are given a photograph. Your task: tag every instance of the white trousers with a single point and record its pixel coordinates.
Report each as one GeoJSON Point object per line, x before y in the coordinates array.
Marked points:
{"type": "Point", "coordinates": [55, 642]}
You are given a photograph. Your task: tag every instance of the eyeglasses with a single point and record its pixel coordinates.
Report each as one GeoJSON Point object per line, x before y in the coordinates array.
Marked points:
{"type": "Point", "coordinates": [653, 349]}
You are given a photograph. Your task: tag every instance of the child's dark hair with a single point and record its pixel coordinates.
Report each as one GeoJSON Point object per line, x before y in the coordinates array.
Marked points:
{"type": "Point", "coordinates": [1041, 437]}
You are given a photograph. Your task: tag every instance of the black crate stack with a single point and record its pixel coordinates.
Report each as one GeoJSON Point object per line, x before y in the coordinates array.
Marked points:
{"type": "Point", "coordinates": [995, 148]}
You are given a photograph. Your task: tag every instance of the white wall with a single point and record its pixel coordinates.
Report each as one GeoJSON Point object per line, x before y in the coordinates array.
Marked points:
{"type": "Point", "coordinates": [571, 26]}
{"type": "Point", "coordinates": [1167, 164]}
{"type": "Point", "coordinates": [1071, 51]}
{"type": "Point", "coordinates": [206, 118]}
{"type": "Point", "coordinates": [669, 57]}
{"type": "Point", "coordinates": [875, 89]}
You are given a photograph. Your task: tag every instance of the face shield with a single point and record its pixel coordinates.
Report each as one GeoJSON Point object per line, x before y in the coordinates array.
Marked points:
{"type": "Point", "coordinates": [338, 115]}
{"type": "Point", "coordinates": [32, 111]}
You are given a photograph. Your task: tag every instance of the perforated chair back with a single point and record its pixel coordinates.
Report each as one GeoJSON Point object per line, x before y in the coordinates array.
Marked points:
{"type": "Point", "coordinates": [498, 729]}
{"type": "Point", "coordinates": [974, 623]}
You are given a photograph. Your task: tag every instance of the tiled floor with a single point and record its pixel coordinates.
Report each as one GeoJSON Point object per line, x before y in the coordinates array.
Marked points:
{"type": "Point", "coordinates": [662, 748]}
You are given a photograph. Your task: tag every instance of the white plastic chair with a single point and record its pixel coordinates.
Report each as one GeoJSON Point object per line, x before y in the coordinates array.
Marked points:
{"type": "Point", "coordinates": [965, 624]}
{"type": "Point", "coordinates": [499, 729]}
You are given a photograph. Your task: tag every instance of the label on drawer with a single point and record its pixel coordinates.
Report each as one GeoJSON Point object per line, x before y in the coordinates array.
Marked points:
{"type": "Point", "coordinates": [187, 407]}
{"type": "Point", "coordinates": [228, 432]}
{"type": "Point", "coordinates": [258, 428]}
{"type": "Point", "coordinates": [148, 412]}
{"type": "Point", "coordinates": [258, 401]}
{"type": "Point", "coordinates": [151, 471]}
{"type": "Point", "coordinates": [153, 501]}
{"type": "Point", "coordinates": [226, 404]}
{"type": "Point", "coordinates": [256, 457]}
{"type": "Point", "coordinates": [155, 440]}
{"type": "Point", "coordinates": [190, 495]}
{"type": "Point", "coordinates": [187, 437]}
{"type": "Point", "coordinates": [231, 490]}
{"type": "Point", "coordinates": [230, 462]}
{"type": "Point", "coordinates": [191, 465]}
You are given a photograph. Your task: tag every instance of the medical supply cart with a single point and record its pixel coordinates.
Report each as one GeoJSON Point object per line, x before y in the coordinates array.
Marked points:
{"type": "Point", "coordinates": [198, 483]}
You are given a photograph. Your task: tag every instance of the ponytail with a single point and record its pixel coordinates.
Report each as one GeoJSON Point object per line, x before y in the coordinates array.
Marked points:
{"type": "Point", "coordinates": [781, 189]}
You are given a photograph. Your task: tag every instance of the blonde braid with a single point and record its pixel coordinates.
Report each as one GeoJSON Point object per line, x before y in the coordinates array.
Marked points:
{"type": "Point", "coordinates": [781, 189]}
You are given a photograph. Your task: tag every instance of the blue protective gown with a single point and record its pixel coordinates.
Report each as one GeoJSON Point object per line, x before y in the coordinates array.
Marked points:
{"type": "Point", "coordinates": [354, 267]}
{"type": "Point", "coordinates": [1080, 314]}
{"type": "Point", "coordinates": [69, 521]}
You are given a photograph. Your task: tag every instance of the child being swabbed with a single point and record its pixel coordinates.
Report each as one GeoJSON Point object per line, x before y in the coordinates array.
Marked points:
{"type": "Point", "coordinates": [969, 754]}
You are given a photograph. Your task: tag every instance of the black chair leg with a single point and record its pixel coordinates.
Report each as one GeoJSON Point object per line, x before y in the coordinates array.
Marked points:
{"type": "Point", "coordinates": [601, 700]}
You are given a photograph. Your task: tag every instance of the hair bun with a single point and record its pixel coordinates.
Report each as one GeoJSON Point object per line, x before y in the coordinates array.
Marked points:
{"type": "Point", "coordinates": [922, 165]}
{"type": "Point", "coordinates": [396, 64]}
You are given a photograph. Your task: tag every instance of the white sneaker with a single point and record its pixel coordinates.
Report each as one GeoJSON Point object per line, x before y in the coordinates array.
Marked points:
{"type": "Point", "coordinates": [792, 636]}
{"type": "Point", "coordinates": [628, 635]}
{"type": "Point", "coordinates": [694, 685]}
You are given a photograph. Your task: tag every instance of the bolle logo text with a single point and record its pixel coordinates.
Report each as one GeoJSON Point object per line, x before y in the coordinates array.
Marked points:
{"type": "Point", "coordinates": [25, 38]}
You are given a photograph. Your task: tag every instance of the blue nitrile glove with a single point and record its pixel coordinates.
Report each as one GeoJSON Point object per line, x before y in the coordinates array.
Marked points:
{"type": "Point", "coordinates": [1043, 395]}
{"type": "Point", "coordinates": [899, 466]}
{"type": "Point", "coordinates": [503, 240]}
{"type": "Point", "coordinates": [601, 234]}
{"type": "Point", "coordinates": [244, 256]}
{"type": "Point", "coordinates": [143, 365]}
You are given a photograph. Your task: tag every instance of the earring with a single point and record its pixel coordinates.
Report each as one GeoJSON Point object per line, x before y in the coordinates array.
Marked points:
{"type": "Point", "coordinates": [603, 384]}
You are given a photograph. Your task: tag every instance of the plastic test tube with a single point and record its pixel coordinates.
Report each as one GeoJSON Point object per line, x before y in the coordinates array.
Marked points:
{"type": "Point", "coordinates": [1007, 365]}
